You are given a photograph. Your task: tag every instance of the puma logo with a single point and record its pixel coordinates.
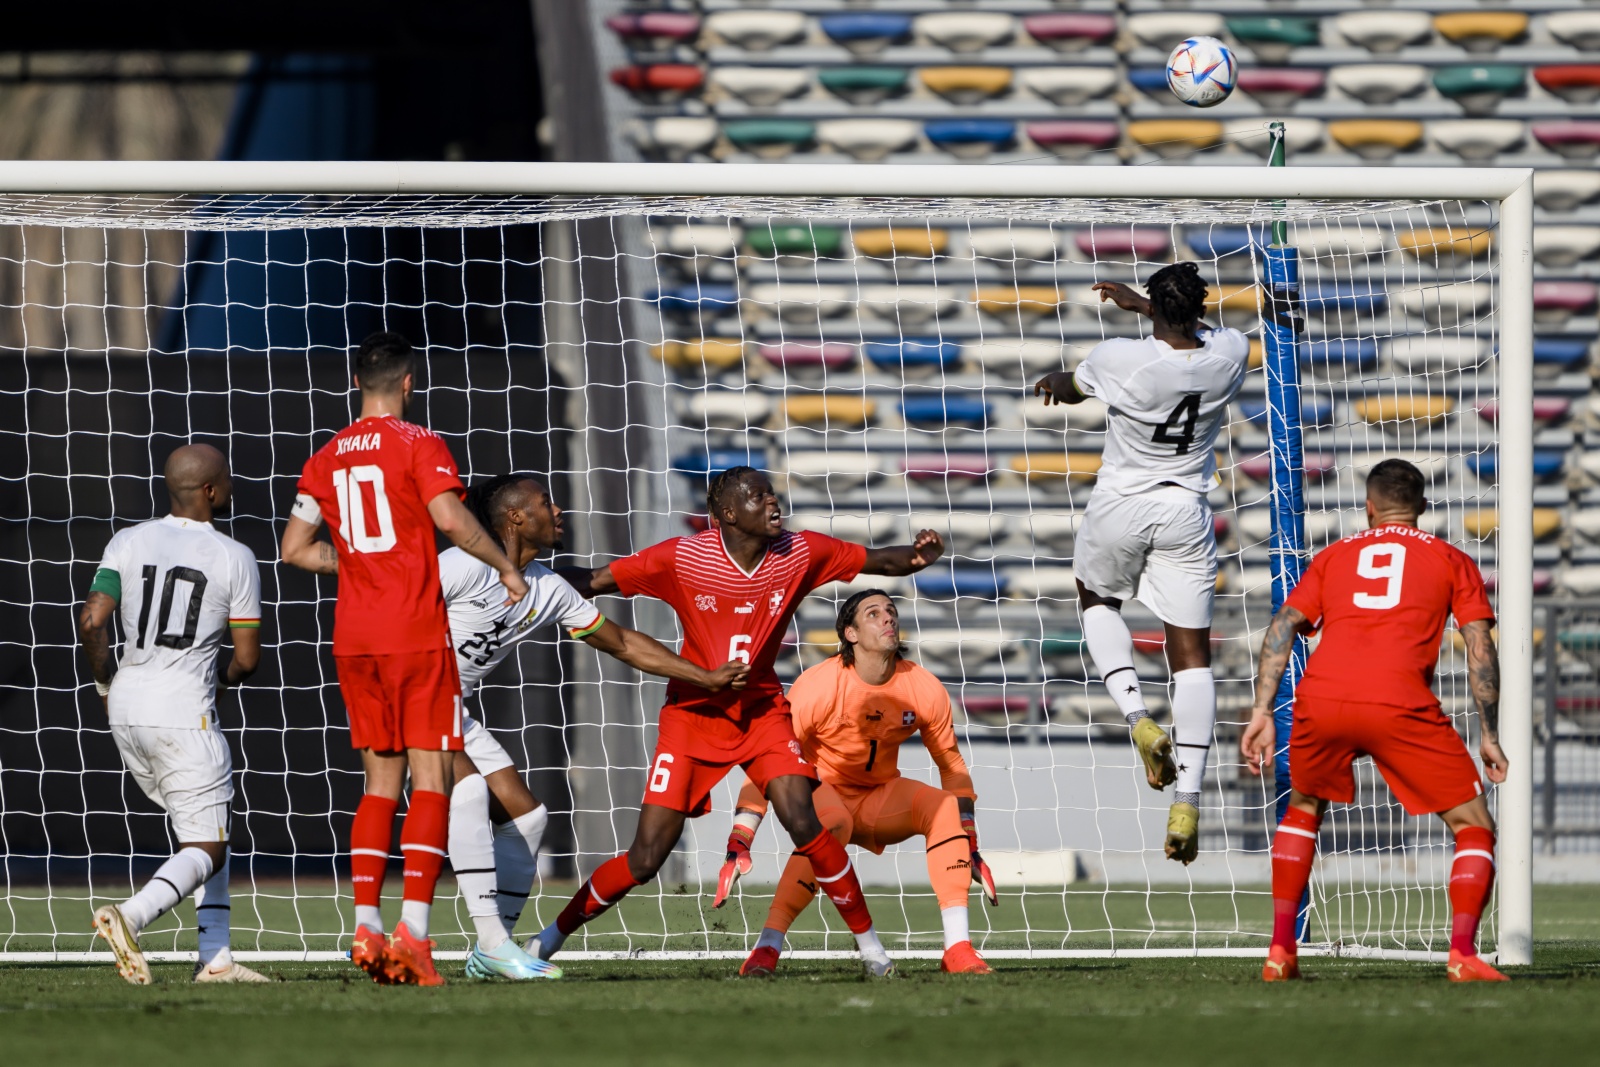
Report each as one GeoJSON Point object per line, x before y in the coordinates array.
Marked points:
{"type": "Point", "coordinates": [959, 865]}
{"type": "Point", "coordinates": [811, 887]}
{"type": "Point", "coordinates": [874, 716]}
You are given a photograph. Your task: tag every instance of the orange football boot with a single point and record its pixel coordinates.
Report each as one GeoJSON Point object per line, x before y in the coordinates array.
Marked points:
{"type": "Point", "coordinates": [1281, 966]}
{"type": "Point", "coordinates": [369, 951]}
{"type": "Point", "coordinates": [411, 959]}
{"type": "Point", "coordinates": [762, 963]}
{"type": "Point", "coordinates": [962, 958]}
{"type": "Point", "coordinates": [1474, 968]}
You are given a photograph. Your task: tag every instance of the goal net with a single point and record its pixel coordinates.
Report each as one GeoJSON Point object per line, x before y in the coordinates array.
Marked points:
{"type": "Point", "coordinates": [871, 343]}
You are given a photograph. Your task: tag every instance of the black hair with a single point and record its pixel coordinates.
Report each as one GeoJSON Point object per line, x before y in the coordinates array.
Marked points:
{"type": "Point", "coordinates": [1396, 481]}
{"type": "Point", "coordinates": [722, 486]}
{"type": "Point", "coordinates": [847, 617]}
{"type": "Point", "coordinates": [487, 501]}
{"type": "Point", "coordinates": [382, 361]}
{"type": "Point", "coordinates": [1178, 293]}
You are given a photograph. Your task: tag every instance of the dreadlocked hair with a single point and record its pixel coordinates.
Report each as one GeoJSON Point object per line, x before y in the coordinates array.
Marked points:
{"type": "Point", "coordinates": [1178, 293]}
{"type": "Point", "coordinates": [721, 486]}
{"type": "Point", "coordinates": [847, 618]}
{"type": "Point", "coordinates": [486, 501]}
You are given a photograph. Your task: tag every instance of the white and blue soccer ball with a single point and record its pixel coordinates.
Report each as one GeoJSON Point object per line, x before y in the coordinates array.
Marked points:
{"type": "Point", "coordinates": [1202, 71]}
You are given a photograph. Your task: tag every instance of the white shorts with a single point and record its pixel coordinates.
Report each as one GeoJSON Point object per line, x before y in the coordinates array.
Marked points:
{"type": "Point", "coordinates": [1158, 547]}
{"type": "Point", "coordinates": [188, 773]}
{"type": "Point", "coordinates": [486, 754]}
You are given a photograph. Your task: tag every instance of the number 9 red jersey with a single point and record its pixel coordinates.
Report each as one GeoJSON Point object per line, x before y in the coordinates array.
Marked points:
{"type": "Point", "coordinates": [372, 484]}
{"type": "Point", "coordinates": [1381, 599]}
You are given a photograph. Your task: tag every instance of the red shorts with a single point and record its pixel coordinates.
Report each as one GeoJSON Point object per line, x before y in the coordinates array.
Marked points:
{"type": "Point", "coordinates": [1418, 752]}
{"type": "Point", "coordinates": [695, 752]}
{"type": "Point", "coordinates": [409, 700]}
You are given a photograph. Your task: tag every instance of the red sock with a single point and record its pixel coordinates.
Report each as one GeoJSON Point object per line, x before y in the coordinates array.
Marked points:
{"type": "Point", "coordinates": [423, 838]}
{"type": "Point", "coordinates": [609, 883]}
{"type": "Point", "coordinates": [1471, 882]}
{"type": "Point", "coordinates": [837, 878]}
{"type": "Point", "coordinates": [1293, 848]}
{"type": "Point", "coordinates": [370, 836]}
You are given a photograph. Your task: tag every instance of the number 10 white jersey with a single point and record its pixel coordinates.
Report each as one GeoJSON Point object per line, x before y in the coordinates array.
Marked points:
{"type": "Point", "coordinates": [1167, 406]}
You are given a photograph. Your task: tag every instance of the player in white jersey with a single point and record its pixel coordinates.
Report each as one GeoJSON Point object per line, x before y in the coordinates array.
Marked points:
{"type": "Point", "coordinates": [180, 585]}
{"type": "Point", "coordinates": [1148, 530]}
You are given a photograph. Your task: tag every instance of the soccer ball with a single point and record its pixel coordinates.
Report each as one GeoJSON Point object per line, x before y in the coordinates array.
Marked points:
{"type": "Point", "coordinates": [1202, 71]}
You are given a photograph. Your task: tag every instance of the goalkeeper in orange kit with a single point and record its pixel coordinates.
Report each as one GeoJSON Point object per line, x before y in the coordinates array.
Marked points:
{"type": "Point", "coordinates": [852, 712]}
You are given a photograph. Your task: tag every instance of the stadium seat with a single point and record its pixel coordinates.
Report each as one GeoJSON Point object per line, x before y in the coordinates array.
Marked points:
{"type": "Point", "coordinates": [1563, 352]}
{"type": "Point", "coordinates": [966, 31]}
{"type": "Point", "coordinates": [695, 298]}
{"type": "Point", "coordinates": [1033, 244]}
{"type": "Point", "coordinates": [1088, 415]}
{"type": "Point", "coordinates": [755, 30]}
{"type": "Point", "coordinates": [912, 240]}
{"type": "Point", "coordinates": [1547, 462]}
{"type": "Point", "coordinates": [1314, 411]}
{"type": "Point", "coordinates": [806, 240]}
{"type": "Point", "coordinates": [712, 237]}
{"type": "Point", "coordinates": [800, 302]}
{"type": "Point", "coordinates": [1565, 190]}
{"type": "Point", "coordinates": [1175, 138]}
{"type": "Point", "coordinates": [1376, 138]}
{"type": "Point", "coordinates": [673, 137]}
{"type": "Point", "coordinates": [1012, 356]}
{"type": "Point", "coordinates": [1245, 299]}
{"type": "Point", "coordinates": [1448, 304]}
{"type": "Point", "coordinates": [1580, 581]}
{"type": "Point", "coordinates": [913, 306]}
{"type": "Point", "coordinates": [761, 86]}
{"type": "Point", "coordinates": [1586, 522]}
{"type": "Point", "coordinates": [1123, 242]}
{"type": "Point", "coordinates": [868, 139]}
{"type": "Point", "coordinates": [1431, 464]}
{"type": "Point", "coordinates": [1581, 29]}
{"type": "Point", "coordinates": [967, 85]}
{"type": "Point", "coordinates": [1384, 31]}
{"type": "Point", "coordinates": [912, 353]}
{"type": "Point", "coordinates": [1422, 409]}
{"type": "Point", "coordinates": [995, 711]}
{"type": "Point", "coordinates": [809, 356]}
{"type": "Point", "coordinates": [957, 470]}
{"type": "Point", "coordinates": [1314, 464]}
{"type": "Point", "coordinates": [1024, 300]}
{"type": "Point", "coordinates": [864, 529]}
{"type": "Point", "coordinates": [655, 27]}
{"type": "Point", "coordinates": [1555, 302]}
{"type": "Point", "coordinates": [1479, 88]}
{"type": "Point", "coordinates": [1421, 353]}
{"type": "Point", "coordinates": [1334, 297]}
{"type": "Point", "coordinates": [1547, 410]}
{"type": "Point", "coordinates": [714, 461]}
{"type": "Point", "coordinates": [1564, 246]}
{"type": "Point", "coordinates": [1152, 81]}
{"type": "Point", "coordinates": [963, 531]}
{"type": "Point", "coordinates": [1068, 86]}
{"type": "Point", "coordinates": [837, 411]}
{"type": "Point", "coordinates": [1056, 469]}
{"type": "Point", "coordinates": [1255, 525]}
{"type": "Point", "coordinates": [769, 138]}
{"type": "Point", "coordinates": [864, 86]}
{"type": "Point", "coordinates": [831, 469]}
{"type": "Point", "coordinates": [1341, 355]}
{"type": "Point", "coordinates": [1477, 140]}
{"type": "Point", "coordinates": [1576, 83]}
{"type": "Point", "coordinates": [664, 82]}
{"type": "Point", "coordinates": [1211, 242]}
{"type": "Point", "coordinates": [706, 355]}
{"type": "Point", "coordinates": [960, 651]}
{"type": "Point", "coordinates": [1272, 37]}
{"type": "Point", "coordinates": [970, 138]}
{"type": "Point", "coordinates": [944, 410]}
{"type": "Point", "coordinates": [1378, 83]}
{"type": "Point", "coordinates": [1323, 240]}
{"type": "Point", "coordinates": [1571, 138]}
{"type": "Point", "coordinates": [1165, 30]}
{"type": "Point", "coordinates": [1481, 31]}
{"type": "Point", "coordinates": [1074, 138]}
{"type": "Point", "coordinates": [1070, 31]}
{"type": "Point", "coordinates": [865, 32]}
{"type": "Point", "coordinates": [729, 409]}
{"type": "Point", "coordinates": [1483, 522]}
{"type": "Point", "coordinates": [1445, 242]}
{"type": "Point", "coordinates": [1278, 88]}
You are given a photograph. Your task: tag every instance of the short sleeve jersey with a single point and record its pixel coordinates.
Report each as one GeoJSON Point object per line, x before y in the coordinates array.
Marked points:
{"type": "Point", "coordinates": [484, 628]}
{"type": "Point", "coordinates": [853, 731]}
{"type": "Point", "coordinates": [1381, 599]}
{"type": "Point", "coordinates": [1166, 407]}
{"type": "Point", "coordinates": [373, 481]}
{"type": "Point", "coordinates": [727, 614]}
{"type": "Point", "coordinates": [181, 585]}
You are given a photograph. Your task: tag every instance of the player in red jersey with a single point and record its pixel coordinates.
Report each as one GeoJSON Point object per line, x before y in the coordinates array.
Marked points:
{"type": "Point", "coordinates": [1381, 599]}
{"type": "Point", "coordinates": [387, 484]}
{"type": "Point", "coordinates": [734, 588]}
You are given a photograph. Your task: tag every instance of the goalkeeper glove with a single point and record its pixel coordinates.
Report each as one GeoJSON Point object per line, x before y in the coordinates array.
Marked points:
{"type": "Point", "coordinates": [980, 870]}
{"type": "Point", "coordinates": [737, 862]}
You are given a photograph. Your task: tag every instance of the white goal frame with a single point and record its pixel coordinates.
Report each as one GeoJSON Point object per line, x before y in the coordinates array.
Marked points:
{"type": "Point", "coordinates": [1510, 188]}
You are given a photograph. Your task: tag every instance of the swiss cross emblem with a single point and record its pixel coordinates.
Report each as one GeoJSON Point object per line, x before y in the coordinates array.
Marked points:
{"type": "Point", "coordinates": [775, 605]}
{"type": "Point", "coordinates": [705, 603]}
{"type": "Point", "coordinates": [908, 718]}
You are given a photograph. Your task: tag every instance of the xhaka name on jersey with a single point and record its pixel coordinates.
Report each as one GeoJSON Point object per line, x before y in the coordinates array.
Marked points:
{"type": "Point", "coordinates": [361, 442]}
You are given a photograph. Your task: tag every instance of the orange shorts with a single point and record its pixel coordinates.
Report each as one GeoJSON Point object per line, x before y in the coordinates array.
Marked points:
{"type": "Point", "coordinates": [1417, 751]}
{"type": "Point", "coordinates": [876, 817]}
{"type": "Point", "coordinates": [695, 752]}
{"type": "Point", "coordinates": [409, 700]}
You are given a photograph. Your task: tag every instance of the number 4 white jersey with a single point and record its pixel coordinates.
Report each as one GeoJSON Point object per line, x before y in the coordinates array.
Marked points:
{"type": "Point", "coordinates": [179, 584]}
{"type": "Point", "coordinates": [1167, 406]}
{"type": "Point", "coordinates": [484, 628]}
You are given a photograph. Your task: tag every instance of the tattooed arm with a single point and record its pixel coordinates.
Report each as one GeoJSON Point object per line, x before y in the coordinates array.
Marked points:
{"type": "Point", "coordinates": [1483, 677]}
{"type": "Point", "coordinates": [1260, 736]}
{"type": "Point", "coordinates": [453, 519]}
{"type": "Point", "coordinates": [301, 549]}
{"type": "Point", "coordinates": [92, 635]}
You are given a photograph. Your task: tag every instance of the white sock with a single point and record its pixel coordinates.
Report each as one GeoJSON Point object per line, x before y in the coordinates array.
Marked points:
{"type": "Point", "coordinates": [548, 942]}
{"type": "Point", "coordinates": [955, 925]}
{"type": "Point", "coordinates": [1194, 715]}
{"type": "Point", "coordinates": [414, 913]}
{"type": "Point", "coordinates": [1111, 648]}
{"type": "Point", "coordinates": [770, 938]}
{"type": "Point", "coordinates": [173, 880]}
{"type": "Point", "coordinates": [472, 859]}
{"type": "Point", "coordinates": [212, 913]}
{"type": "Point", "coordinates": [872, 951]}
{"type": "Point", "coordinates": [370, 916]}
{"type": "Point", "coordinates": [516, 862]}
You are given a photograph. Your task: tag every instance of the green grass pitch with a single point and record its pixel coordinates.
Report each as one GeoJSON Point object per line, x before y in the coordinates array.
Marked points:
{"type": "Point", "coordinates": [1179, 1012]}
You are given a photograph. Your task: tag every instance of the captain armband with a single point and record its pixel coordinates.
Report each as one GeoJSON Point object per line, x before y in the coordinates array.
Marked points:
{"type": "Point", "coordinates": [306, 510]}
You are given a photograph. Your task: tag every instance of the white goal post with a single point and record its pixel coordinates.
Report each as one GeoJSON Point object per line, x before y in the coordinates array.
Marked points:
{"type": "Point", "coordinates": [235, 198]}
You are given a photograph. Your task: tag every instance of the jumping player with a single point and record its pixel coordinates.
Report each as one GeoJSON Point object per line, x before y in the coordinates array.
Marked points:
{"type": "Point", "coordinates": [852, 712]}
{"type": "Point", "coordinates": [734, 588]}
{"type": "Point", "coordinates": [387, 484]}
{"type": "Point", "coordinates": [1148, 532]}
{"type": "Point", "coordinates": [1381, 599]}
{"type": "Point", "coordinates": [180, 585]}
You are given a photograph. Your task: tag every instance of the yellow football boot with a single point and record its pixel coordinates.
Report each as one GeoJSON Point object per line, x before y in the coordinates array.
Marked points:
{"type": "Point", "coordinates": [1183, 833]}
{"type": "Point", "coordinates": [1155, 749]}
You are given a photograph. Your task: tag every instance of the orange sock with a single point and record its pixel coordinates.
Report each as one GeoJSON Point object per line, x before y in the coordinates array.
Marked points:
{"type": "Point", "coordinates": [796, 889]}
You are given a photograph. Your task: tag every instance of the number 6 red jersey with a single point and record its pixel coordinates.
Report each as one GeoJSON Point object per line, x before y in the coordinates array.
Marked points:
{"type": "Point", "coordinates": [1381, 599]}
{"type": "Point", "coordinates": [372, 483]}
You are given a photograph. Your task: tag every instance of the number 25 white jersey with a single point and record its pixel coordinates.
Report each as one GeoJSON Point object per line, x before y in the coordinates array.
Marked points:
{"type": "Point", "coordinates": [1166, 407]}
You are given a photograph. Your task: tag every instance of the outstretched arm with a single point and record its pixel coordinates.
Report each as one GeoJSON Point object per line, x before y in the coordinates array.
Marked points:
{"type": "Point", "coordinates": [1128, 300]}
{"type": "Point", "coordinates": [1483, 677]}
{"type": "Point", "coordinates": [645, 653]}
{"type": "Point", "coordinates": [1261, 734]}
{"type": "Point", "coordinates": [897, 560]}
{"type": "Point", "coordinates": [590, 583]}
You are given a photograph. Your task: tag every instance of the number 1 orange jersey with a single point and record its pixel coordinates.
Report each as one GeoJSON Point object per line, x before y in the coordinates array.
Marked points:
{"type": "Point", "coordinates": [853, 731]}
